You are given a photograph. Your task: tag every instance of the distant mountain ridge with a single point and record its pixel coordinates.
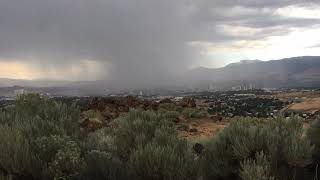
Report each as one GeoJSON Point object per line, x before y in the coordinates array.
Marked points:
{"type": "Point", "coordinates": [289, 72]}
{"type": "Point", "coordinates": [243, 62]}
{"type": "Point", "coordinates": [284, 73]}
{"type": "Point", "coordinates": [6, 82]}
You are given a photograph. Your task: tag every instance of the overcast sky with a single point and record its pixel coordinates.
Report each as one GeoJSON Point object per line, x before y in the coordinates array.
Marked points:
{"type": "Point", "coordinates": [149, 40]}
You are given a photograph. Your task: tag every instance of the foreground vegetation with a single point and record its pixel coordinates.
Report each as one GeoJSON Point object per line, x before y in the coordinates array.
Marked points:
{"type": "Point", "coordinates": [42, 139]}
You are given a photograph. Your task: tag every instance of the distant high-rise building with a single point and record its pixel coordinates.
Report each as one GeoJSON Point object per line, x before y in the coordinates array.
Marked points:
{"type": "Point", "coordinates": [211, 87]}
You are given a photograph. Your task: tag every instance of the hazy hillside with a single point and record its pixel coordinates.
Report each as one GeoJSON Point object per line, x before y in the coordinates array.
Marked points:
{"type": "Point", "coordinates": [78, 88]}
{"type": "Point", "coordinates": [5, 82]}
{"type": "Point", "coordinates": [290, 72]}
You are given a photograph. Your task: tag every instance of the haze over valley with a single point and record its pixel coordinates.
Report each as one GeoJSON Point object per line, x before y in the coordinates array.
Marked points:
{"type": "Point", "coordinates": [298, 72]}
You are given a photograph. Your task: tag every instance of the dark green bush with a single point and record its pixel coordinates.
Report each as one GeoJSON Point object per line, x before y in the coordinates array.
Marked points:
{"type": "Point", "coordinates": [104, 165]}
{"type": "Point", "coordinates": [101, 159]}
{"type": "Point", "coordinates": [189, 113]}
{"type": "Point", "coordinates": [101, 140]}
{"type": "Point", "coordinates": [38, 139]}
{"type": "Point", "coordinates": [183, 127]}
{"type": "Point", "coordinates": [281, 141]}
{"type": "Point", "coordinates": [314, 136]}
{"type": "Point", "coordinates": [199, 114]}
{"type": "Point", "coordinates": [149, 143]}
{"type": "Point", "coordinates": [258, 168]}
{"type": "Point", "coordinates": [90, 113]}
{"type": "Point", "coordinates": [172, 116]}
{"type": "Point", "coordinates": [3, 177]}
{"type": "Point", "coordinates": [138, 129]}
{"type": "Point", "coordinates": [159, 162]}
{"type": "Point", "coordinates": [168, 107]}
{"type": "Point", "coordinates": [60, 155]}
{"type": "Point", "coordinates": [16, 157]}
{"type": "Point", "coordinates": [36, 116]}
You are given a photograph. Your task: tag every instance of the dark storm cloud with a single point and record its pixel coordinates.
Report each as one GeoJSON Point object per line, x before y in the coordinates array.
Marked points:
{"type": "Point", "coordinates": [139, 39]}
{"type": "Point", "coordinates": [142, 40]}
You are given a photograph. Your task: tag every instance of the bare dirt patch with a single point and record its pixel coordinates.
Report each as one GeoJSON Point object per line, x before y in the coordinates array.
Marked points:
{"type": "Point", "coordinates": [310, 105]}
{"type": "Point", "coordinates": [202, 129]}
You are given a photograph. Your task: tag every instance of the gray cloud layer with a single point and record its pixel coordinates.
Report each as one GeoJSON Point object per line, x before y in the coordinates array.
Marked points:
{"type": "Point", "coordinates": [142, 40]}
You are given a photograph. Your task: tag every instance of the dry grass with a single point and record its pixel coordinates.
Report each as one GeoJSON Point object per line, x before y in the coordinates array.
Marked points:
{"type": "Point", "coordinates": [310, 105]}
{"type": "Point", "coordinates": [306, 126]}
{"type": "Point", "coordinates": [206, 128]}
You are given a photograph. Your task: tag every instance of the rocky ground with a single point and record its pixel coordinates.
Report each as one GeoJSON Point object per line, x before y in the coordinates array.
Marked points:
{"type": "Point", "coordinates": [201, 129]}
{"type": "Point", "coordinates": [190, 117]}
{"type": "Point", "coordinates": [100, 111]}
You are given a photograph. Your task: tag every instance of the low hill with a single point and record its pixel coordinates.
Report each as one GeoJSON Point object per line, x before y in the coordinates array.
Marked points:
{"type": "Point", "coordinates": [289, 72]}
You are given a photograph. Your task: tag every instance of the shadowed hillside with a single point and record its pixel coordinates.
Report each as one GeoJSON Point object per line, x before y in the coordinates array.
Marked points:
{"type": "Point", "coordinates": [290, 72]}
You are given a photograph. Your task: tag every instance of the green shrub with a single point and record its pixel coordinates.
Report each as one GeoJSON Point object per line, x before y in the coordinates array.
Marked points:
{"type": "Point", "coordinates": [60, 156]}
{"type": "Point", "coordinates": [281, 141]}
{"type": "Point", "coordinates": [41, 139]}
{"type": "Point", "coordinates": [100, 140]}
{"type": "Point", "coordinates": [168, 107]}
{"type": "Point", "coordinates": [16, 157]}
{"type": "Point", "coordinates": [103, 165]}
{"type": "Point", "coordinates": [36, 134]}
{"type": "Point", "coordinates": [101, 159]}
{"type": "Point", "coordinates": [147, 138]}
{"type": "Point", "coordinates": [36, 116]}
{"type": "Point", "coordinates": [199, 114]}
{"type": "Point", "coordinates": [136, 129]}
{"type": "Point", "coordinates": [158, 162]}
{"type": "Point", "coordinates": [314, 136]}
{"type": "Point", "coordinates": [179, 109]}
{"type": "Point", "coordinates": [183, 127]}
{"type": "Point", "coordinates": [172, 116]}
{"type": "Point", "coordinates": [3, 177]}
{"type": "Point", "coordinates": [91, 113]}
{"type": "Point", "coordinates": [189, 113]}
{"type": "Point", "coordinates": [258, 168]}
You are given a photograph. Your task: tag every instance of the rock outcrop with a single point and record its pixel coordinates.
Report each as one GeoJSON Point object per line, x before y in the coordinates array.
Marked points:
{"type": "Point", "coordinates": [188, 102]}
